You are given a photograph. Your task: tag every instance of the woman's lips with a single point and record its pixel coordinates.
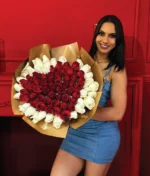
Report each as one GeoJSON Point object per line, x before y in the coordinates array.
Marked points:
{"type": "Point", "coordinates": [104, 46]}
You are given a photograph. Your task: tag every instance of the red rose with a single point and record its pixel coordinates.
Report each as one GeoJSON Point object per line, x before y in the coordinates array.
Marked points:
{"type": "Point", "coordinates": [23, 82]}
{"type": "Point", "coordinates": [80, 73]}
{"type": "Point", "coordinates": [35, 81]}
{"type": "Point", "coordinates": [52, 86]}
{"type": "Point", "coordinates": [69, 71]}
{"type": "Point", "coordinates": [45, 90]}
{"type": "Point", "coordinates": [29, 78]}
{"type": "Point", "coordinates": [24, 98]}
{"type": "Point", "coordinates": [58, 65]}
{"type": "Point", "coordinates": [76, 95]}
{"type": "Point", "coordinates": [75, 66]}
{"type": "Point", "coordinates": [71, 107]}
{"type": "Point", "coordinates": [63, 106]}
{"type": "Point", "coordinates": [24, 91]}
{"type": "Point", "coordinates": [40, 106]}
{"type": "Point", "coordinates": [81, 80]}
{"type": "Point", "coordinates": [70, 91]}
{"type": "Point", "coordinates": [32, 95]}
{"type": "Point", "coordinates": [47, 100]}
{"type": "Point", "coordinates": [74, 78]}
{"type": "Point", "coordinates": [72, 100]}
{"type": "Point", "coordinates": [65, 98]}
{"type": "Point", "coordinates": [33, 103]}
{"type": "Point", "coordinates": [52, 69]}
{"type": "Point", "coordinates": [66, 65]}
{"type": "Point", "coordinates": [66, 77]}
{"type": "Point", "coordinates": [60, 89]}
{"type": "Point", "coordinates": [37, 89]}
{"type": "Point", "coordinates": [56, 110]}
{"type": "Point", "coordinates": [51, 95]}
{"type": "Point", "coordinates": [65, 115]}
{"type": "Point", "coordinates": [41, 98]}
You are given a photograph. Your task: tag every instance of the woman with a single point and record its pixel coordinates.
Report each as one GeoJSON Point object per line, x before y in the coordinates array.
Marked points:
{"type": "Point", "coordinates": [95, 144]}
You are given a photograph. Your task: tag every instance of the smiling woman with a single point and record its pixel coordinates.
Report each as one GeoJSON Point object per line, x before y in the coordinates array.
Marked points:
{"type": "Point", "coordinates": [95, 144]}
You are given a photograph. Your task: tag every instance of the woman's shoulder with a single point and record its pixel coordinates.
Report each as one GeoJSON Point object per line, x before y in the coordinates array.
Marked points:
{"type": "Point", "coordinates": [118, 75]}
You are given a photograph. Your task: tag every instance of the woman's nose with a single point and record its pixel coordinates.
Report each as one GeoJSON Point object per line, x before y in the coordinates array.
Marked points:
{"type": "Point", "coordinates": [105, 39]}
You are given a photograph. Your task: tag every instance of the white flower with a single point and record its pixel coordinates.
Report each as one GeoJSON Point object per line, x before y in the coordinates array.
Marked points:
{"type": "Point", "coordinates": [34, 115]}
{"type": "Point", "coordinates": [45, 70]}
{"type": "Point", "coordinates": [38, 69]}
{"type": "Point", "coordinates": [17, 87]}
{"type": "Point", "coordinates": [24, 73]}
{"type": "Point", "coordinates": [45, 59]}
{"type": "Point", "coordinates": [57, 122]}
{"type": "Point", "coordinates": [30, 70]}
{"type": "Point", "coordinates": [17, 95]}
{"type": "Point", "coordinates": [86, 68]}
{"type": "Point", "coordinates": [79, 108]}
{"type": "Point", "coordinates": [88, 82]}
{"type": "Point", "coordinates": [49, 118]}
{"type": "Point", "coordinates": [92, 94]}
{"type": "Point", "coordinates": [94, 86]}
{"type": "Point", "coordinates": [23, 107]}
{"type": "Point", "coordinates": [53, 62]}
{"type": "Point", "coordinates": [62, 59]}
{"type": "Point", "coordinates": [89, 102]}
{"type": "Point", "coordinates": [74, 115]}
{"type": "Point", "coordinates": [30, 111]}
{"type": "Point", "coordinates": [80, 101]}
{"type": "Point", "coordinates": [80, 62]}
{"type": "Point", "coordinates": [37, 62]}
{"type": "Point", "coordinates": [41, 115]}
{"type": "Point", "coordinates": [19, 78]}
{"type": "Point", "coordinates": [88, 75]}
{"type": "Point", "coordinates": [83, 93]}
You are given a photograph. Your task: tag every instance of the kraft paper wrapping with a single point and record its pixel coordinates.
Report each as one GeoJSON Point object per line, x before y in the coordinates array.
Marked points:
{"type": "Point", "coordinates": [71, 52]}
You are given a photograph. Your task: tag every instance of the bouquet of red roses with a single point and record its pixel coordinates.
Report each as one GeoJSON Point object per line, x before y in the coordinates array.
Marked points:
{"type": "Point", "coordinates": [56, 89]}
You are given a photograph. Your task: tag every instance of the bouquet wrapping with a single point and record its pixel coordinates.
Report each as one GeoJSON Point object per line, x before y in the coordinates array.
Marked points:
{"type": "Point", "coordinates": [56, 88]}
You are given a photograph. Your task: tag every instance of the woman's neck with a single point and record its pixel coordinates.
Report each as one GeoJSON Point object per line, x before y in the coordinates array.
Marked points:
{"type": "Point", "coordinates": [101, 58]}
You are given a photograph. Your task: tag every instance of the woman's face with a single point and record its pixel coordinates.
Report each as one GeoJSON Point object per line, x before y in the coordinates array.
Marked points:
{"type": "Point", "coordinates": [106, 39]}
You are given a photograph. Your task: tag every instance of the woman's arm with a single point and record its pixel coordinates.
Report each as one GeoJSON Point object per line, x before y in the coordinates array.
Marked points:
{"type": "Point", "coordinates": [118, 99]}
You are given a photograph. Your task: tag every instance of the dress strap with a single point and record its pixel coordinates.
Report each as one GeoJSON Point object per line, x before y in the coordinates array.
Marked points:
{"type": "Point", "coordinates": [108, 71]}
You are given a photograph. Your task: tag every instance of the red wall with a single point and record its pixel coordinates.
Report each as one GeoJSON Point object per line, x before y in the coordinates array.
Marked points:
{"type": "Point", "coordinates": [24, 24]}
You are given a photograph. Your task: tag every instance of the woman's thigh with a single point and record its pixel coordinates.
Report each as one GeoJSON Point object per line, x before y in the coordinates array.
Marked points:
{"type": "Point", "coordinates": [66, 164]}
{"type": "Point", "coordinates": [93, 169]}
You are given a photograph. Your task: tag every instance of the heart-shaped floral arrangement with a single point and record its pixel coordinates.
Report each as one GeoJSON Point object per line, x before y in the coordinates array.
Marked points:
{"type": "Point", "coordinates": [55, 90]}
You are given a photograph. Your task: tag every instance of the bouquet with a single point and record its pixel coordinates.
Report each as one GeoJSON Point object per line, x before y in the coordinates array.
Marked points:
{"type": "Point", "coordinates": [56, 88]}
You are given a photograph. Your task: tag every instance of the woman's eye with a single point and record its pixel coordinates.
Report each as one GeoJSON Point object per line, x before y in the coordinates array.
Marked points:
{"type": "Point", "coordinates": [101, 33]}
{"type": "Point", "coordinates": [112, 35]}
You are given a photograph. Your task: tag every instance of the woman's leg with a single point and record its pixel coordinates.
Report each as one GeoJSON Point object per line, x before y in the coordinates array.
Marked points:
{"type": "Point", "coordinates": [93, 169]}
{"type": "Point", "coordinates": [66, 164]}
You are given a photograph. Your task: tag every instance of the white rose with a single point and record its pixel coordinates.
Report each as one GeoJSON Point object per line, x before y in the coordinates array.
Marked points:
{"type": "Point", "coordinates": [30, 111]}
{"type": "Point", "coordinates": [88, 82]}
{"type": "Point", "coordinates": [86, 68]}
{"type": "Point", "coordinates": [45, 59]}
{"type": "Point", "coordinates": [38, 69]}
{"type": "Point", "coordinates": [30, 70]}
{"type": "Point", "coordinates": [17, 95]}
{"type": "Point", "coordinates": [23, 107]}
{"type": "Point", "coordinates": [53, 62]}
{"type": "Point", "coordinates": [83, 93]}
{"type": "Point", "coordinates": [45, 70]}
{"type": "Point", "coordinates": [62, 59]}
{"type": "Point", "coordinates": [74, 115]}
{"type": "Point", "coordinates": [80, 62]}
{"type": "Point", "coordinates": [49, 118]}
{"type": "Point", "coordinates": [92, 94]}
{"type": "Point", "coordinates": [80, 101]}
{"type": "Point", "coordinates": [57, 122]}
{"type": "Point", "coordinates": [41, 115]}
{"type": "Point", "coordinates": [89, 102]}
{"type": "Point", "coordinates": [24, 73]}
{"type": "Point", "coordinates": [94, 86]}
{"type": "Point", "coordinates": [19, 78]}
{"type": "Point", "coordinates": [17, 87]}
{"type": "Point", "coordinates": [34, 115]}
{"type": "Point", "coordinates": [37, 62]}
{"type": "Point", "coordinates": [79, 108]}
{"type": "Point", "coordinates": [88, 75]}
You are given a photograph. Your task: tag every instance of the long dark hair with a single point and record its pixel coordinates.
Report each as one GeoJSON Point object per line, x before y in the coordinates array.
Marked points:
{"type": "Point", "coordinates": [116, 55]}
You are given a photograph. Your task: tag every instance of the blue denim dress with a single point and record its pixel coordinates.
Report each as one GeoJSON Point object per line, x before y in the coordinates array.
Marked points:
{"type": "Point", "coordinates": [95, 141]}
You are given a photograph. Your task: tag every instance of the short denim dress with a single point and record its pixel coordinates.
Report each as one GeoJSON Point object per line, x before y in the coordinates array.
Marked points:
{"type": "Point", "coordinates": [95, 141]}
